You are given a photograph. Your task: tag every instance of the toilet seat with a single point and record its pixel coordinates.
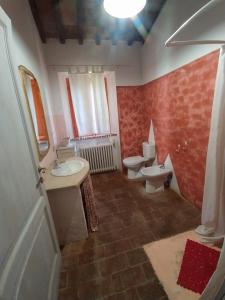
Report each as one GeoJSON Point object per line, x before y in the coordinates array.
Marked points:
{"type": "Point", "coordinates": [133, 160]}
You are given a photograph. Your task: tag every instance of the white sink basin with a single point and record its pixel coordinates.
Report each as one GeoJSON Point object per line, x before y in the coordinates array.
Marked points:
{"type": "Point", "coordinates": [68, 168]}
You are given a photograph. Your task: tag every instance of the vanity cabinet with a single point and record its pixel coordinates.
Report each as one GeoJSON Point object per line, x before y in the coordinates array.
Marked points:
{"type": "Point", "coordinates": [68, 214]}
{"type": "Point", "coordinates": [66, 204]}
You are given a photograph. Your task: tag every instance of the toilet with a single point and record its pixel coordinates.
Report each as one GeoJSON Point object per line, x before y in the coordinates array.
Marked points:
{"type": "Point", "coordinates": [134, 164]}
{"type": "Point", "coordinates": [155, 177]}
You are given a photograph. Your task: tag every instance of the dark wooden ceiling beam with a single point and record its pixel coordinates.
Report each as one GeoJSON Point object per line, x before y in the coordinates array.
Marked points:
{"type": "Point", "coordinates": [80, 20]}
{"type": "Point", "coordinates": [99, 25]}
{"type": "Point", "coordinates": [98, 38]}
{"type": "Point", "coordinates": [37, 19]}
{"type": "Point", "coordinates": [115, 33]}
{"type": "Point", "coordinates": [98, 22]}
{"type": "Point", "coordinates": [58, 21]}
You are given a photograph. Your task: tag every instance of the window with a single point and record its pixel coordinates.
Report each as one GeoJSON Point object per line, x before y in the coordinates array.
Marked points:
{"type": "Point", "coordinates": [89, 98]}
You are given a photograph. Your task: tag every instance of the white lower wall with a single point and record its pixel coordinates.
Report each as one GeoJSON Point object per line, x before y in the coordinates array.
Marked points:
{"type": "Point", "coordinates": [157, 60]}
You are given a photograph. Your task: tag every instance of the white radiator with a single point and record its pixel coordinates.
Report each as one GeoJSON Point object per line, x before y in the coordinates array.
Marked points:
{"type": "Point", "coordinates": [100, 157]}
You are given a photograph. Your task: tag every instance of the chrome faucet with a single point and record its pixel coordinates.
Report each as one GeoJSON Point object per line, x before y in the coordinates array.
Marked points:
{"type": "Point", "coordinates": [162, 166]}
{"type": "Point", "coordinates": [56, 164]}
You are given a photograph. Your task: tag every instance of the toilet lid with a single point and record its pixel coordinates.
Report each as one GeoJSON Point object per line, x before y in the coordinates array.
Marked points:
{"type": "Point", "coordinates": [133, 160]}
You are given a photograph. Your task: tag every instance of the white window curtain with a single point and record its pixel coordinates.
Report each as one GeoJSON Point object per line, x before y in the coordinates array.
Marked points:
{"type": "Point", "coordinates": [90, 103]}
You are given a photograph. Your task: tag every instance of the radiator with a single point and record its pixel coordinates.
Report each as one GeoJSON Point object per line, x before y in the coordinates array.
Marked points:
{"type": "Point", "coordinates": [100, 157]}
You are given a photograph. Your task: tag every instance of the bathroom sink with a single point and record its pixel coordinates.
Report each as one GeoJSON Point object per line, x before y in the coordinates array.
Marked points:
{"type": "Point", "coordinates": [68, 168]}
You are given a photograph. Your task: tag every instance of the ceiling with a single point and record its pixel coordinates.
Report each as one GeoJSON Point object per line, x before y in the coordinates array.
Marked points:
{"type": "Point", "coordinates": [87, 19]}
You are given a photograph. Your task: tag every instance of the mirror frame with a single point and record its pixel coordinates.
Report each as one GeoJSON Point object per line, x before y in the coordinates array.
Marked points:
{"type": "Point", "coordinates": [23, 73]}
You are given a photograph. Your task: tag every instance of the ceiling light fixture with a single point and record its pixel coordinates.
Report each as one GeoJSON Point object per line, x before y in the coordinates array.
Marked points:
{"type": "Point", "coordinates": [124, 8]}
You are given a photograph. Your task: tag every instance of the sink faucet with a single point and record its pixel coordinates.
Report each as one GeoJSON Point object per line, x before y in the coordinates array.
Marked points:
{"type": "Point", "coordinates": [56, 164]}
{"type": "Point", "coordinates": [162, 166]}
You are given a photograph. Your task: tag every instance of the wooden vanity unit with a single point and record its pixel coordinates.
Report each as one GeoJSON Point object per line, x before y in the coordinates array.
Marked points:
{"type": "Point", "coordinates": [66, 203]}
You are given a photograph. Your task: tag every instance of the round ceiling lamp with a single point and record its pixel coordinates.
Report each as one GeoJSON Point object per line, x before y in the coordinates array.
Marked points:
{"type": "Point", "coordinates": [124, 8]}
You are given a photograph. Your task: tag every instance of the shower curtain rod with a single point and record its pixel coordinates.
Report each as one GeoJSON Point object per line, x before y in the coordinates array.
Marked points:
{"type": "Point", "coordinates": [170, 42]}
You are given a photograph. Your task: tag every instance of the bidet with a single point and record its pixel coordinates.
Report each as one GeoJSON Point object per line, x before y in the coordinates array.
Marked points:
{"type": "Point", "coordinates": [155, 177]}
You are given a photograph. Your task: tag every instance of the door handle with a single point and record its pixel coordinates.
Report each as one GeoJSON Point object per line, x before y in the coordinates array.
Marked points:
{"type": "Point", "coordinates": [40, 169]}
{"type": "Point", "coordinates": [40, 181]}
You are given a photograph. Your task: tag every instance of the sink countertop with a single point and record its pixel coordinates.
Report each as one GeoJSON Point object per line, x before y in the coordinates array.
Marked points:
{"type": "Point", "coordinates": [52, 182]}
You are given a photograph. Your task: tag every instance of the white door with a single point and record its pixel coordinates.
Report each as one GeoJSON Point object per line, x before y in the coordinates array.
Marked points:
{"type": "Point", "coordinates": [29, 253]}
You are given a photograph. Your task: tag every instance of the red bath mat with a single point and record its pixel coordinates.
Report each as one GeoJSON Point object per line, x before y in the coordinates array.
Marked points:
{"type": "Point", "coordinates": [198, 265]}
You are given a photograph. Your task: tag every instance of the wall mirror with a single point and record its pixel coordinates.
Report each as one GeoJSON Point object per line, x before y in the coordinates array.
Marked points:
{"type": "Point", "coordinates": [35, 109]}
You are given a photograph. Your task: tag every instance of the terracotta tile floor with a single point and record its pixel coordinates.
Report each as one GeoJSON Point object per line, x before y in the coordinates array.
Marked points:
{"type": "Point", "coordinates": [111, 263]}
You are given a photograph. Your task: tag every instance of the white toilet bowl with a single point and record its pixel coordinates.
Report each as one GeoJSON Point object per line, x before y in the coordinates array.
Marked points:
{"type": "Point", "coordinates": [134, 164]}
{"type": "Point", "coordinates": [155, 177]}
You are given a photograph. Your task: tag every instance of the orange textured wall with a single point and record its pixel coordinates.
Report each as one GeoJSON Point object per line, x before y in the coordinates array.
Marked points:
{"type": "Point", "coordinates": [131, 119]}
{"type": "Point", "coordinates": [179, 105]}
